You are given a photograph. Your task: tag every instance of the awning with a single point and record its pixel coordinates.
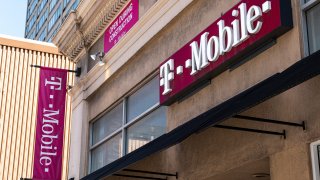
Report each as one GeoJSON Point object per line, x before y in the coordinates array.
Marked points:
{"type": "Point", "coordinates": [298, 73]}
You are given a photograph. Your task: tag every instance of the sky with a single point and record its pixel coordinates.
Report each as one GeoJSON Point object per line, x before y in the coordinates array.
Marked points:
{"type": "Point", "coordinates": [13, 17]}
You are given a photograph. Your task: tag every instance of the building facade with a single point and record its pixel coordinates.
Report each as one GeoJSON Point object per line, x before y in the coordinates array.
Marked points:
{"type": "Point", "coordinates": [45, 17]}
{"type": "Point", "coordinates": [195, 90]}
{"type": "Point", "coordinates": [18, 103]}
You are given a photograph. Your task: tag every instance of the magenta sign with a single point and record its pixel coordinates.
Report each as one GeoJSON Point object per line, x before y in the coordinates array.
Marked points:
{"type": "Point", "coordinates": [242, 31]}
{"type": "Point", "coordinates": [50, 124]}
{"type": "Point", "coordinates": [121, 25]}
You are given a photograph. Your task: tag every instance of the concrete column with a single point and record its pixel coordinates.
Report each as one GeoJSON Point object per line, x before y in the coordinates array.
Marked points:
{"type": "Point", "coordinates": [79, 141]}
{"type": "Point", "coordinates": [291, 164]}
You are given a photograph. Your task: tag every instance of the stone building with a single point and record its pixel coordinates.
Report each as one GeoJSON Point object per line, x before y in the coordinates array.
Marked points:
{"type": "Point", "coordinates": [194, 89]}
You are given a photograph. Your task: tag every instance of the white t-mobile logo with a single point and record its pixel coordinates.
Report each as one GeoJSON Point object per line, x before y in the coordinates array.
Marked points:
{"type": "Point", "coordinates": [55, 83]}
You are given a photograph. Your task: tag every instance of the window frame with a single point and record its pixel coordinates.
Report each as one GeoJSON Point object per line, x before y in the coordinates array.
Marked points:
{"type": "Point", "coordinates": [305, 6]}
{"type": "Point", "coordinates": [315, 160]}
{"type": "Point", "coordinates": [125, 123]}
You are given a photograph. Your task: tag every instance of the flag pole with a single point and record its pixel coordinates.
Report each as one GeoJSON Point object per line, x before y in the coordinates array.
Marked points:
{"type": "Point", "coordinates": [77, 71]}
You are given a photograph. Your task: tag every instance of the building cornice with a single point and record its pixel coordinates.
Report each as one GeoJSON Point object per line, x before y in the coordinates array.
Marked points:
{"type": "Point", "coordinates": [82, 27]}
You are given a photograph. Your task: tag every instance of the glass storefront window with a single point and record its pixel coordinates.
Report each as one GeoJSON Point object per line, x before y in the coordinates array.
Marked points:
{"type": "Point", "coordinates": [146, 130]}
{"type": "Point", "coordinates": [143, 99]}
{"type": "Point", "coordinates": [107, 124]}
{"type": "Point", "coordinates": [106, 152]}
{"type": "Point", "coordinates": [138, 118]}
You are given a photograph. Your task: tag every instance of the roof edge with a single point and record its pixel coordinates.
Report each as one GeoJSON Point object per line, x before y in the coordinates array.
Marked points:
{"type": "Point", "coordinates": [23, 43]}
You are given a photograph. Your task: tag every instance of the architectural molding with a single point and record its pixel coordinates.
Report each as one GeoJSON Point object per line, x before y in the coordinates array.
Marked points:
{"type": "Point", "coordinates": [83, 26]}
{"type": "Point", "coordinates": [147, 27]}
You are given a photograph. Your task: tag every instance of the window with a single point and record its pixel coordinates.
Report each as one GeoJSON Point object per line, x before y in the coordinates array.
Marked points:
{"type": "Point", "coordinates": [315, 158]}
{"type": "Point", "coordinates": [311, 13]}
{"type": "Point", "coordinates": [43, 18]}
{"type": "Point", "coordinates": [52, 4]}
{"type": "Point", "coordinates": [31, 8]}
{"type": "Point", "coordinates": [135, 121]}
{"type": "Point", "coordinates": [75, 4]}
{"type": "Point", "coordinates": [68, 9]}
{"type": "Point", "coordinates": [65, 3]}
{"type": "Point", "coordinates": [31, 23]}
{"type": "Point", "coordinates": [55, 17]}
{"type": "Point", "coordinates": [41, 6]}
{"type": "Point", "coordinates": [43, 35]}
{"type": "Point", "coordinates": [32, 35]}
{"type": "Point", "coordinates": [146, 130]}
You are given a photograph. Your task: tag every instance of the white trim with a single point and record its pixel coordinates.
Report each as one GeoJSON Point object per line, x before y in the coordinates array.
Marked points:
{"type": "Point", "coordinates": [315, 160]}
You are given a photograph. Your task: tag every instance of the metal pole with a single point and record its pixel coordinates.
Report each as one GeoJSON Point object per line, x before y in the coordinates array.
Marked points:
{"type": "Point", "coordinates": [271, 121]}
{"type": "Point", "coordinates": [252, 130]}
{"type": "Point", "coordinates": [77, 71]}
{"type": "Point", "coordinates": [150, 172]}
{"type": "Point", "coordinates": [139, 177]}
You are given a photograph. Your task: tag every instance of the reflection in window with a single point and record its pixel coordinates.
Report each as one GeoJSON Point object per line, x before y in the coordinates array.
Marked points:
{"type": "Point", "coordinates": [146, 130]}
{"type": "Point", "coordinates": [106, 153]}
{"type": "Point", "coordinates": [107, 124]}
{"type": "Point", "coordinates": [139, 118]}
{"type": "Point", "coordinates": [143, 99]}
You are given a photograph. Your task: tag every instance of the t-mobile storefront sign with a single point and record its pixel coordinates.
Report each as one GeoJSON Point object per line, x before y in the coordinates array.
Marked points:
{"type": "Point", "coordinates": [50, 124]}
{"type": "Point", "coordinates": [243, 30]}
{"type": "Point", "coordinates": [121, 25]}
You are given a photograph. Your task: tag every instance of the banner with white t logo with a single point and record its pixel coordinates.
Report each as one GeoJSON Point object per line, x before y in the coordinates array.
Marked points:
{"type": "Point", "coordinates": [50, 124]}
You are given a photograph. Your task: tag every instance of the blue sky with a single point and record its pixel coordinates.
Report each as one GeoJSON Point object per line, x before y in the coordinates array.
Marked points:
{"type": "Point", "coordinates": [13, 17]}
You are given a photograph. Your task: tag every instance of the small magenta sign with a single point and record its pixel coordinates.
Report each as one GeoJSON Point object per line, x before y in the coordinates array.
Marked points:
{"type": "Point", "coordinates": [121, 25]}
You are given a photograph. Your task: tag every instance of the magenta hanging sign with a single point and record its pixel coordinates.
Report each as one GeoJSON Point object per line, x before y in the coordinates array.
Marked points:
{"type": "Point", "coordinates": [126, 19]}
{"type": "Point", "coordinates": [50, 124]}
{"type": "Point", "coordinates": [246, 29]}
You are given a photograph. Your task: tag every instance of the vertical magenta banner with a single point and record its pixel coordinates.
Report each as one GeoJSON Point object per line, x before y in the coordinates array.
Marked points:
{"type": "Point", "coordinates": [50, 124]}
{"type": "Point", "coordinates": [121, 24]}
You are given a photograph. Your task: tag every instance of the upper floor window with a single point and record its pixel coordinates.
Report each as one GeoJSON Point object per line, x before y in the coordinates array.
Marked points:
{"type": "Point", "coordinates": [43, 35]}
{"type": "Point", "coordinates": [31, 8]}
{"type": "Point", "coordinates": [75, 5]}
{"type": "Point", "coordinates": [132, 123]}
{"type": "Point", "coordinates": [41, 6]}
{"type": "Point", "coordinates": [42, 20]}
{"type": "Point", "coordinates": [52, 4]}
{"type": "Point", "coordinates": [32, 35]}
{"type": "Point", "coordinates": [65, 3]}
{"type": "Point", "coordinates": [311, 13]}
{"type": "Point", "coordinates": [31, 23]}
{"type": "Point", "coordinates": [55, 17]}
